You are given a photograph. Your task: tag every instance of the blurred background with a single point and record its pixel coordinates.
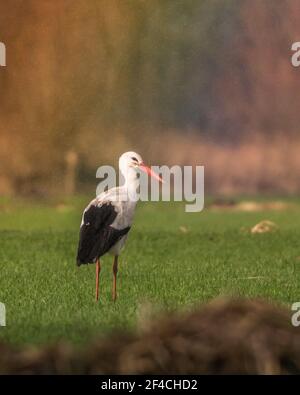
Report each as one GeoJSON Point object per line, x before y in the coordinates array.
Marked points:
{"type": "Point", "coordinates": [202, 82]}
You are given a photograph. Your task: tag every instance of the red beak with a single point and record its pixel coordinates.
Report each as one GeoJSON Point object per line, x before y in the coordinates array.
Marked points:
{"type": "Point", "coordinates": [150, 172]}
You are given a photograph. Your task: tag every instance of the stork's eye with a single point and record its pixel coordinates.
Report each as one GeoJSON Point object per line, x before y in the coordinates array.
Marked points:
{"type": "Point", "coordinates": [134, 159]}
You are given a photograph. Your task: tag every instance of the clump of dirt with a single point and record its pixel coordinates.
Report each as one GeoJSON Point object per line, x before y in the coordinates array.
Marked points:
{"type": "Point", "coordinates": [223, 337]}
{"type": "Point", "coordinates": [183, 229]}
{"type": "Point", "coordinates": [264, 227]}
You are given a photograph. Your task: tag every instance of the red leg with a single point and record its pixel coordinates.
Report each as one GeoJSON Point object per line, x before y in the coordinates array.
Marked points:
{"type": "Point", "coordinates": [115, 271]}
{"type": "Point", "coordinates": [98, 269]}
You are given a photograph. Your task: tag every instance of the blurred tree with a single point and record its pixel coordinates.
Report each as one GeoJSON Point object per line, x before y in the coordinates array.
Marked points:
{"type": "Point", "coordinates": [81, 73]}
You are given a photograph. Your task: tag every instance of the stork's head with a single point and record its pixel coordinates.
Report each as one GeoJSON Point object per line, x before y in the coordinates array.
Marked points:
{"type": "Point", "coordinates": [130, 162]}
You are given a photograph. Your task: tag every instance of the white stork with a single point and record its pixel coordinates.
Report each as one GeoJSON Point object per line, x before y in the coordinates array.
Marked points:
{"type": "Point", "coordinates": [106, 221]}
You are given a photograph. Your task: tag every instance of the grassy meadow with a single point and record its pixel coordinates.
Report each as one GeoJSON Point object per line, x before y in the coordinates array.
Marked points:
{"type": "Point", "coordinates": [172, 260]}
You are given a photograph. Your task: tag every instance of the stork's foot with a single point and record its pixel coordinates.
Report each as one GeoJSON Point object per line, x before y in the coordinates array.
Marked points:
{"type": "Point", "coordinates": [115, 272]}
{"type": "Point", "coordinates": [98, 269]}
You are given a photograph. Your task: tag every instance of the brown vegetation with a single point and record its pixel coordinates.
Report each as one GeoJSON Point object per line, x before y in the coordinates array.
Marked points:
{"type": "Point", "coordinates": [223, 337]}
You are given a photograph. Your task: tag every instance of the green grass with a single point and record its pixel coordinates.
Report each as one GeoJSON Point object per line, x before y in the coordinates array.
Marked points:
{"type": "Point", "coordinates": [48, 298]}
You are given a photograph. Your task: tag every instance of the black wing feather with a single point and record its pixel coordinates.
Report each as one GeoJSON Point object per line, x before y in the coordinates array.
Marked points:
{"type": "Point", "coordinates": [96, 235]}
